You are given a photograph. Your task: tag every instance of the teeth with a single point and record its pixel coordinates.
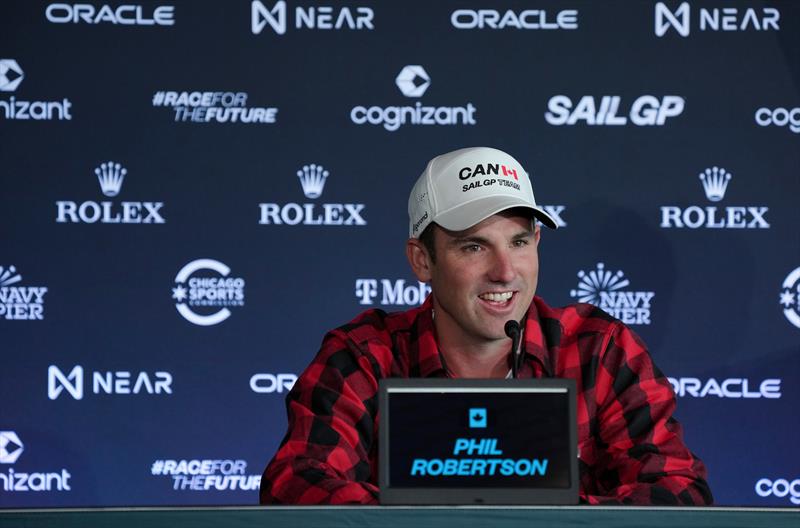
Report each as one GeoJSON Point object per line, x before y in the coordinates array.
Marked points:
{"type": "Point", "coordinates": [496, 297]}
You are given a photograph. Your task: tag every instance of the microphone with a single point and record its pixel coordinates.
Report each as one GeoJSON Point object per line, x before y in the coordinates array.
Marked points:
{"type": "Point", "coordinates": [512, 330]}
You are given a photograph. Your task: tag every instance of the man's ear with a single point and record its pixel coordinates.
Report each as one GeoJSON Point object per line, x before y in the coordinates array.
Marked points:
{"type": "Point", "coordinates": [419, 259]}
{"type": "Point", "coordinates": [537, 233]}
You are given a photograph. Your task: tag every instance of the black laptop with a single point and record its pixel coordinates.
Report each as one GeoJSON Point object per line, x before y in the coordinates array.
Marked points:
{"type": "Point", "coordinates": [466, 441]}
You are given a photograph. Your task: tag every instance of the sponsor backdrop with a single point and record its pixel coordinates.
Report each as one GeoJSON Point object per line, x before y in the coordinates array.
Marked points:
{"type": "Point", "coordinates": [194, 192]}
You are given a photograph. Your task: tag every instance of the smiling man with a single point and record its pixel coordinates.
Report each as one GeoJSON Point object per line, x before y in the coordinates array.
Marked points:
{"type": "Point", "coordinates": [474, 236]}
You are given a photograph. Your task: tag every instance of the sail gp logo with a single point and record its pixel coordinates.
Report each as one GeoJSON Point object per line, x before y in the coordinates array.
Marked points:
{"type": "Point", "coordinates": [19, 303]}
{"type": "Point", "coordinates": [312, 180]}
{"type": "Point", "coordinates": [196, 292]}
{"type": "Point", "coordinates": [606, 290]}
{"type": "Point", "coordinates": [715, 182]}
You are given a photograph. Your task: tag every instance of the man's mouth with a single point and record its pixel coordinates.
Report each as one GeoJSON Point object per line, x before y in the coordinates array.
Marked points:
{"type": "Point", "coordinates": [497, 298]}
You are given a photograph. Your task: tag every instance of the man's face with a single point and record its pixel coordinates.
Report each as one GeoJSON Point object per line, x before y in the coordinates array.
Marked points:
{"type": "Point", "coordinates": [483, 276]}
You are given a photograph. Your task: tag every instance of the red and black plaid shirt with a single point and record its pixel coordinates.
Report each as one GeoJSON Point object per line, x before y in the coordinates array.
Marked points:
{"type": "Point", "coordinates": [631, 449]}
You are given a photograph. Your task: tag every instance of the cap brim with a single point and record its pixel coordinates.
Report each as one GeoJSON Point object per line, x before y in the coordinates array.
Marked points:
{"type": "Point", "coordinates": [471, 213]}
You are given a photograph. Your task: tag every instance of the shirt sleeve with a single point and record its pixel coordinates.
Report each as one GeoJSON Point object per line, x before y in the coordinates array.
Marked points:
{"type": "Point", "coordinates": [643, 459]}
{"type": "Point", "coordinates": [328, 452]}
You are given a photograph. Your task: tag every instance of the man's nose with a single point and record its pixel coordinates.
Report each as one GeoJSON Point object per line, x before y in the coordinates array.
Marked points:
{"type": "Point", "coordinates": [501, 268]}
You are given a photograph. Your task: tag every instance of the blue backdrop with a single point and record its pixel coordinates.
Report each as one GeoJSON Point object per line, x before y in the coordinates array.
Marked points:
{"type": "Point", "coordinates": [164, 274]}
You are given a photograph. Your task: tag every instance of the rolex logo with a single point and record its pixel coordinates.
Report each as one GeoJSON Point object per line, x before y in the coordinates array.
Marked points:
{"type": "Point", "coordinates": [312, 178]}
{"type": "Point", "coordinates": [110, 175]}
{"type": "Point", "coordinates": [715, 182]}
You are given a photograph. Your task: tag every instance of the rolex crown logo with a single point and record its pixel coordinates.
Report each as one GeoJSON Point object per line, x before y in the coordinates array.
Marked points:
{"type": "Point", "coordinates": [312, 178]}
{"type": "Point", "coordinates": [715, 182]}
{"type": "Point", "coordinates": [110, 176]}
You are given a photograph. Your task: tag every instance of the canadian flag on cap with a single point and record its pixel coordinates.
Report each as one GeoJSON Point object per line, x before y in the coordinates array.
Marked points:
{"type": "Point", "coordinates": [509, 172]}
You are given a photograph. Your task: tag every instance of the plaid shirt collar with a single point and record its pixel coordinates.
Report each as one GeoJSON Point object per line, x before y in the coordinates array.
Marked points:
{"type": "Point", "coordinates": [431, 363]}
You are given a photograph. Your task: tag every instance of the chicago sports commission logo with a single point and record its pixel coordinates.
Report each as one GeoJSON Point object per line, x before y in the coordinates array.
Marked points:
{"type": "Point", "coordinates": [203, 285]}
{"type": "Point", "coordinates": [790, 297]}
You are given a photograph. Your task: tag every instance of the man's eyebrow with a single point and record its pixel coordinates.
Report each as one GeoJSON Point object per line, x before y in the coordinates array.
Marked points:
{"type": "Point", "coordinates": [474, 239]}
{"type": "Point", "coordinates": [527, 233]}
{"type": "Point", "coordinates": [470, 239]}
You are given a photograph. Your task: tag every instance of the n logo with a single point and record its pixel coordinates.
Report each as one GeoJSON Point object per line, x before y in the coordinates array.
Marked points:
{"type": "Point", "coordinates": [57, 382]}
{"type": "Point", "coordinates": [275, 17]}
{"type": "Point", "coordinates": [666, 18]}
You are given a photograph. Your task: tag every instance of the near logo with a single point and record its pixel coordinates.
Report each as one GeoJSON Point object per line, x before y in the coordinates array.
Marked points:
{"type": "Point", "coordinates": [715, 19]}
{"type": "Point", "coordinates": [117, 382]}
{"type": "Point", "coordinates": [314, 17]}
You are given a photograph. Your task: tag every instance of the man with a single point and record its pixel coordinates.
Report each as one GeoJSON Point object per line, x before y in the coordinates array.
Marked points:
{"type": "Point", "coordinates": [474, 237]}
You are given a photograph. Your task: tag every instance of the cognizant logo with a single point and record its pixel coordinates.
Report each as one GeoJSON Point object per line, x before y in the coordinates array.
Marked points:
{"type": "Point", "coordinates": [780, 488]}
{"type": "Point", "coordinates": [11, 76]}
{"type": "Point", "coordinates": [413, 81]}
{"type": "Point", "coordinates": [11, 447]}
{"type": "Point", "coordinates": [779, 117]}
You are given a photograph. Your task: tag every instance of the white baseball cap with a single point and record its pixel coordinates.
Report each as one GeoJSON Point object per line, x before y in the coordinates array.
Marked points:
{"type": "Point", "coordinates": [461, 188]}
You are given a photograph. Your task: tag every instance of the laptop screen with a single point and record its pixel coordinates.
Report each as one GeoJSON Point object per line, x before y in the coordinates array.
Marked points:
{"type": "Point", "coordinates": [450, 441]}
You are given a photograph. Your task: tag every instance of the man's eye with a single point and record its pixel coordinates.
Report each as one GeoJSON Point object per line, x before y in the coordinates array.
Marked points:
{"type": "Point", "coordinates": [471, 248]}
{"type": "Point", "coordinates": [520, 243]}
